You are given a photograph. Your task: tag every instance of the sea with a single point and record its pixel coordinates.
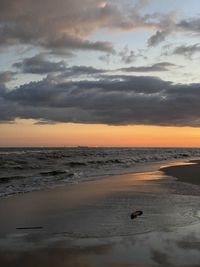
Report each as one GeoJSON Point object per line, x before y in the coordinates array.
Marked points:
{"type": "Point", "coordinates": [30, 169]}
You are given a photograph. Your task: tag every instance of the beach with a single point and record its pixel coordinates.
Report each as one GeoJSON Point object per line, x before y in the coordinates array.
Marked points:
{"type": "Point", "coordinates": [188, 173]}
{"type": "Point", "coordinates": [88, 224]}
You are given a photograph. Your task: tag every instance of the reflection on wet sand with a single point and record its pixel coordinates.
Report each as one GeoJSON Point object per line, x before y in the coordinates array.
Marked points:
{"type": "Point", "coordinates": [67, 208]}
{"type": "Point", "coordinates": [51, 258]}
{"type": "Point", "coordinates": [175, 247]}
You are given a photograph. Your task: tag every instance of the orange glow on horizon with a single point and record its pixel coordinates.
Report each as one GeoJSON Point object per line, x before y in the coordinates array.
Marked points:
{"type": "Point", "coordinates": [25, 133]}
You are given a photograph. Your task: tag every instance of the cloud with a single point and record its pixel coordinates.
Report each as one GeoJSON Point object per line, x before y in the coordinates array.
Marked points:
{"type": "Point", "coordinates": [127, 56]}
{"type": "Point", "coordinates": [81, 70]}
{"type": "Point", "coordinates": [165, 24]}
{"type": "Point", "coordinates": [168, 23]}
{"type": "Point", "coordinates": [39, 65]}
{"type": "Point", "coordinates": [60, 26]}
{"type": "Point", "coordinates": [187, 50]}
{"type": "Point", "coordinates": [59, 45]}
{"type": "Point", "coordinates": [162, 66]}
{"type": "Point", "coordinates": [157, 38]}
{"type": "Point", "coordinates": [189, 25]}
{"type": "Point", "coordinates": [65, 26]}
{"type": "Point", "coordinates": [6, 76]}
{"type": "Point", "coordinates": [113, 100]}
{"type": "Point", "coordinates": [105, 58]}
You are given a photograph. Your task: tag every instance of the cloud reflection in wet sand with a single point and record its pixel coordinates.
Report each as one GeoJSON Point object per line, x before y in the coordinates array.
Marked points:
{"type": "Point", "coordinates": [174, 247]}
{"type": "Point", "coordinates": [62, 257]}
{"type": "Point", "coordinates": [55, 255]}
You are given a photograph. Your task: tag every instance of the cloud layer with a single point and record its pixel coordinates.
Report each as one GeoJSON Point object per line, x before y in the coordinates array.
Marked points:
{"type": "Point", "coordinates": [114, 100]}
{"type": "Point", "coordinates": [38, 64]}
{"type": "Point", "coordinates": [162, 66]}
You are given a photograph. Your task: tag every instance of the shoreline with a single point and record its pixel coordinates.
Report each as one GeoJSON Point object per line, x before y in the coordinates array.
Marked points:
{"type": "Point", "coordinates": [55, 201]}
{"type": "Point", "coordinates": [138, 168]}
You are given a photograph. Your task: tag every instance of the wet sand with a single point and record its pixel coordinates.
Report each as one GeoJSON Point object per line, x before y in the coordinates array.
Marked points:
{"type": "Point", "coordinates": [62, 208]}
{"type": "Point", "coordinates": [89, 224]}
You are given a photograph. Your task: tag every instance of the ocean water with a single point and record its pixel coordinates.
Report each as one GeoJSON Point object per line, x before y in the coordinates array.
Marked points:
{"type": "Point", "coordinates": [29, 169]}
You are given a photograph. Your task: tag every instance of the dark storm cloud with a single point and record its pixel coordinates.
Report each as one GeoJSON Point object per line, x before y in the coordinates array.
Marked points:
{"type": "Point", "coordinates": [162, 66]}
{"type": "Point", "coordinates": [187, 50]}
{"type": "Point", "coordinates": [115, 100]}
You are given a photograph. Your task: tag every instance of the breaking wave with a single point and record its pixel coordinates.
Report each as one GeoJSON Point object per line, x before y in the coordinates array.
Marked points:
{"type": "Point", "coordinates": [28, 169]}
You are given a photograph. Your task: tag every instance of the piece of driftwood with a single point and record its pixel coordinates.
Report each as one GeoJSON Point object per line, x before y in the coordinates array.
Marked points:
{"type": "Point", "coordinates": [29, 228]}
{"type": "Point", "coordinates": [136, 213]}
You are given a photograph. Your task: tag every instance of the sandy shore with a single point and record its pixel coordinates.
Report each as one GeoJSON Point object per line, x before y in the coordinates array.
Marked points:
{"type": "Point", "coordinates": [89, 224]}
{"type": "Point", "coordinates": [188, 173]}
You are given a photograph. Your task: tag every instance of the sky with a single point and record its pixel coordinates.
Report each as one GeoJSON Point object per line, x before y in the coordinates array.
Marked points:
{"type": "Point", "coordinates": [100, 73]}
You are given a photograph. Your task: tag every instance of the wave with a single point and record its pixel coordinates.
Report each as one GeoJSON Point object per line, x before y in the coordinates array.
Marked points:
{"type": "Point", "coordinates": [23, 170]}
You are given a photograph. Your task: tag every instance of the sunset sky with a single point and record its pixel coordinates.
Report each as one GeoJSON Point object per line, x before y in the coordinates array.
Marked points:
{"type": "Point", "coordinates": [100, 73]}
